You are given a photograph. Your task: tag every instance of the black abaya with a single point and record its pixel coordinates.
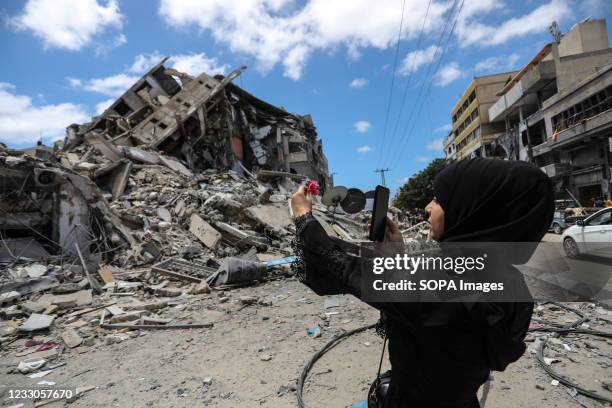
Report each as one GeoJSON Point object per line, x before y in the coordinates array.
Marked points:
{"type": "Point", "coordinates": [437, 351]}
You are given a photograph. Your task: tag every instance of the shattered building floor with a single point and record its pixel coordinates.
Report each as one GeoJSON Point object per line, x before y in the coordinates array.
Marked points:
{"type": "Point", "coordinates": [144, 262]}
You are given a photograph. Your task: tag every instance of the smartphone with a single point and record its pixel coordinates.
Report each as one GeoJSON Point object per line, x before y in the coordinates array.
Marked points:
{"type": "Point", "coordinates": [379, 214]}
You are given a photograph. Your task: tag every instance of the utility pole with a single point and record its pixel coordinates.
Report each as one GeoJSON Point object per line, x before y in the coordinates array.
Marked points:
{"type": "Point", "coordinates": [382, 175]}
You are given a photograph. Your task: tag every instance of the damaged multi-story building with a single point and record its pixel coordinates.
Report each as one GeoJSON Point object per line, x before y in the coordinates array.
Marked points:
{"type": "Point", "coordinates": [63, 197]}
{"type": "Point", "coordinates": [556, 112]}
{"type": "Point", "coordinates": [207, 122]}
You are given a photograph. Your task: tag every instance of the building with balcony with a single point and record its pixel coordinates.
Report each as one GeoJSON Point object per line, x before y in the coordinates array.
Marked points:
{"type": "Point", "coordinates": [557, 112]}
{"type": "Point", "coordinates": [450, 150]}
{"type": "Point", "coordinates": [472, 129]}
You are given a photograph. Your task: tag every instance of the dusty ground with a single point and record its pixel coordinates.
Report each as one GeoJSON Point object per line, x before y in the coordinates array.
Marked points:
{"type": "Point", "coordinates": [170, 368]}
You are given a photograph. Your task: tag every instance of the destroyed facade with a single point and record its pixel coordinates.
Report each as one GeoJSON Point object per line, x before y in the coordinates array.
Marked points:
{"type": "Point", "coordinates": [205, 122]}
{"type": "Point", "coordinates": [79, 192]}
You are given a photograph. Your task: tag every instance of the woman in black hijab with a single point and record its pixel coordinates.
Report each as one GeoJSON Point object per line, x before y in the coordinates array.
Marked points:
{"type": "Point", "coordinates": [441, 353]}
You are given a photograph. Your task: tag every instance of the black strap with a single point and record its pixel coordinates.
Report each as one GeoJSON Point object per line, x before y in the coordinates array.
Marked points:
{"type": "Point", "coordinates": [381, 357]}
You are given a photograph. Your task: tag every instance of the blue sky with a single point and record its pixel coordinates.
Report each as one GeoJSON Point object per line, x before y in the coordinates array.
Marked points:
{"type": "Point", "coordinates": [64, 60]}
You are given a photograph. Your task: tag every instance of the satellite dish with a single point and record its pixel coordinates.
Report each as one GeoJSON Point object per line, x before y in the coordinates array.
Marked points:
{"type": "Point", "coordinates": [354, 201]}
{"type": "Point", "coordinates": [334, 196]}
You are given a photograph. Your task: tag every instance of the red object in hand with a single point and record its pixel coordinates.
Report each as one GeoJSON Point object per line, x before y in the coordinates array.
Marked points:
{"type": "Point", "coordinates": [312, 188]}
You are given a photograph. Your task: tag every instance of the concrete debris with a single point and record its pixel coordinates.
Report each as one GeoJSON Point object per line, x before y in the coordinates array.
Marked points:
{"type": "Point", "coordinates": [204, 231]}
{"type": "Point", "coordinates": [37, 322]}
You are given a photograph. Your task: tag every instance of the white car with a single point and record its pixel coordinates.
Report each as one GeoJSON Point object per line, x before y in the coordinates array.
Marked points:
{"type": "Point", "coordinates": [592, 235]}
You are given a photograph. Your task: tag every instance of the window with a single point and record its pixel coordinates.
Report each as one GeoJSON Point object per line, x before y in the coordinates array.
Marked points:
{"type": "Point", "coordinates": [454, 118]}
{"type": "Point", "coordinates": [601, 219]}
{"type": "Point", "coordinates": [474, 113]}
{"type": "Point", "coordinates": [472, 96]}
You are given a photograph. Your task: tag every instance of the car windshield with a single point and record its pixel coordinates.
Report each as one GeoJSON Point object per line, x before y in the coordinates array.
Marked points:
{"type": "Point", "coordinates": [604, 218]}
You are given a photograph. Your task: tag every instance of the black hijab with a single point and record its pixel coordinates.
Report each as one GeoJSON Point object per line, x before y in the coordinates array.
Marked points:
{"type": "Point", "coordinates": [488, 200]}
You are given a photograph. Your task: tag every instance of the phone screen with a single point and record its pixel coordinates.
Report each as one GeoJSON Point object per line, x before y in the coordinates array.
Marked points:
{"type": "Point", "coordinates": [379, 214]}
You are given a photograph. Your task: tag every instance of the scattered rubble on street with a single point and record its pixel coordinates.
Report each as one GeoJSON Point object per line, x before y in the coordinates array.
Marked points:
{"type": "Point", "coordinates": [168, 214]}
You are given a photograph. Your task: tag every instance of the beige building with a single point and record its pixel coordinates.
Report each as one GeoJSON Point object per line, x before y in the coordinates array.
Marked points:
{"type": "Point", "coordinates": [558, 112]}
{"type": "Point", "coordinates": [472, 131]}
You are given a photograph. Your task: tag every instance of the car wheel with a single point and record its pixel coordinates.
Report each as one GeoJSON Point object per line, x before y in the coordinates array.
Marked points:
{"type": "Point", "coordinates": [557, 229]}
{"type": "Point", "coordinates": [571, 248]}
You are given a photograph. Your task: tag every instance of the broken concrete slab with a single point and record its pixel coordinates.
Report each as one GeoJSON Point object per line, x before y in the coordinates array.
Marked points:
{"type": "Point", "coordinates": [204, 231]}
{"type": "Point", "coordinates": [115, 310]}
{"type": "Point", "coordinates": [106, 274]}
{"type": "Point", "coordinates": [175, 165]}
{"type": "Point", "coordinates": [35, 270]}
{"type": "Point", "coordinates": [140, 155]}
{"type": "Point", "coordinates": [10, 297]}
{"type": "Point", "coordinates": [275, 215]}
{"type": "Point", "coordinates": [32, 307]}
{"type": "Point", "coordinates": [164, 214]}
{"type": "Point", "coordinates": [71, 338]}
{"type": "Point", "coordinates": [37, 322]}
{"type": "Point", "coordinates": [80, 298]}
{"type": "Point", "coordinates": [108, 149]}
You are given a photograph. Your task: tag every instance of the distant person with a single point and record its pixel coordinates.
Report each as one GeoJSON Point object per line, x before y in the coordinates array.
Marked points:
{"type": "Point", "coordinates": [441, 353]}
{"type": "Point", "coordinates": [598, 202]}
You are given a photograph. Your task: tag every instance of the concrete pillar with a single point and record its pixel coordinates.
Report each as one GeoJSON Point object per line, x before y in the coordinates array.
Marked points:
{"type": "Point", "coordinates": [529, 145]}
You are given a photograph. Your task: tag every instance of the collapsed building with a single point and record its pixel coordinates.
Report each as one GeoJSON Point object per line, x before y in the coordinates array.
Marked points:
{"type": "Point", "coordinates": [80, 193]}
{"type": "Point", "coordinates": [206, 122]}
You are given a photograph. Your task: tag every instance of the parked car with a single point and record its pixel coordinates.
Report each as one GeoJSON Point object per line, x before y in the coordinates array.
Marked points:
{"type": "Point", "coordinates": [592, 235]}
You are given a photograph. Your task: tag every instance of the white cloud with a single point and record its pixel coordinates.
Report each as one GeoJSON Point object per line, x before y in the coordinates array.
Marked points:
{"type": "Point", "coordinates": [364, 149]}
{"type": "Point", "coordinates": [74, 82]}
{"type": "Point", "coordinates": [448, 74]}
{"type": "Point", "coordinates": [67, 24]}
{"type": "Point", "coordinates": [101, 106]}
{"type": "Point", "coordinates": [415, 59]}
{"type": "Point", "coordinates": [113, 85]}
{"type": "Point", "coordinates": [21, 122]}
{"type": "Point", "coordinates": [193, 64]}
{"type": "Point", "coordinates": [105, 48]}
{"type": "Point", "coordinates": [362, 126]}
{"type": "Point", "coordinates": [143, 62]}
{"type": "Point", "coordinates": [421, 159]}
{"type": "Point", "coordinates": [435, 144]}
{"type": "Point", "coordinates": [444, 128]}
{"type": "Point", "coordinates": [498, 63]}
{"type": "Point", "coordinates": [358, 83]}
{"type": "Point", "coordinates": [287, 32]}
{"type": "Point", "coordinates": [595, 7]}
{"type": "Point", "coordinates": [470, 31]}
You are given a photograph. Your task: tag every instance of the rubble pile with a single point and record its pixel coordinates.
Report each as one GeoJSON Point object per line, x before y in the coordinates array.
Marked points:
{"type": "Point", "coordinates": [180, 185]}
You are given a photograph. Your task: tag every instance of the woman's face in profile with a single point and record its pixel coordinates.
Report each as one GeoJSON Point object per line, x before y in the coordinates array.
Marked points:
{"type": "Point", "coordinates": [436, 219]}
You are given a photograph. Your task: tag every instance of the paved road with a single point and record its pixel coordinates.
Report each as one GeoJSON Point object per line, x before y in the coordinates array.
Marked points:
{"type": "Point", "coordinates": [552, 237]}
{"type": "Point", "coordinates": [589, 271]}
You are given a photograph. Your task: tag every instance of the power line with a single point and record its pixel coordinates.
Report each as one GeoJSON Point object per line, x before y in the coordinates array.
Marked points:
{"type": "Point", "coordinates": [399, 36]}
{"type": "Point", "coordinates": [427, 74]}
{"type": "Point", "coordinates": [382, 175]}
{"type": "Point", "coordinates": [426, 79]}
{"type": "Point", "coordinates": [429, 83]}
{"type": "Point", "coordinates": [409, 77]}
